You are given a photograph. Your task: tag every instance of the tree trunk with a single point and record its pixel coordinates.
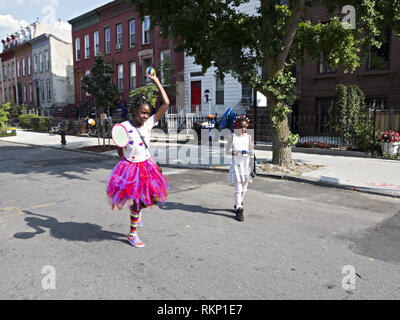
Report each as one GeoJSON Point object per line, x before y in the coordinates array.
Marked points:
{"type": "Point", "coordinates": [281, 153]}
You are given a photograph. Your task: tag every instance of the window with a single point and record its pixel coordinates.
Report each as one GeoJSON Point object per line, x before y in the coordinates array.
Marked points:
{"type": "Point", "coordinates": [9, 74]}
{"type": "Point", "coordinates": [25, 94]}
{"type": "Point", "coordinates": [41, 62]}
{"type": "Point", "coordinates": [131, 33]}
{"type": "Point", "coordinates": [166, 67]}
{"type": "Point", "coordinates": [219, 91]}
{"type": "Point", "coordinates": [379, 57]}
{"type": "Point", "coordinates": [96, 43]}
{"type": "Point", "coordinates": [88, 74]}
{"type": "Point", "coordinates": [48, 89]}
{"type": "Point", "coordinates": [29, 65]}
{"type": "Point", "coordinates": [107, 40]}
{"type": "Point", "coordinates": [147, 62]}
{"type": "Point", "coordinates": [146, 30]}
{"type": "Point", "coordinates": [87, 47]}
{"type": "Point", "coordinates": [18, 69]}
{"type": "Point", "coordinates": [46, 53]}
{"type": "Point", "coordinates": [247, 95]}
{"type": "Point", "coordinates": [120, 84]}
{"type": "Point", "coordinates": [119, 36]}
{"type": "Point", "coordinates": [35, 64]}
{"type": "Point", "coordinates": [23, 67]}
{"type": "Point", "coordinates": [30, 92]}
{"type": "Point", "coordinates": [323, 66]}
{"type": "Point", "coordinates": [13, 70]}
{"type": "Point", "coordinates": [132, 76]}
{"type": "Point", "coordinates": [42, 90]}
{"type": "Point", "coordinates": [4, 73]}
{"type": "Point", "coordinates": [78, 49]}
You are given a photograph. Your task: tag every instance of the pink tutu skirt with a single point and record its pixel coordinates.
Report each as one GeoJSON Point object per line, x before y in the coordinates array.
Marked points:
{"type": "Point", "coordinates": [136, 183]}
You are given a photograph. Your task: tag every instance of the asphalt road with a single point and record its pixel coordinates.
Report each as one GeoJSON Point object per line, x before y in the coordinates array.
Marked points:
{"type": "Point", "coordinates": [60, 240]}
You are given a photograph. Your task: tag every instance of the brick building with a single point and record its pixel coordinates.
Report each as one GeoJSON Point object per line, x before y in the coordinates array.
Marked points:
{"type": "Point", "coordinates": [127, 43]}
{"type": "Point", "coordinates": [379, 79]}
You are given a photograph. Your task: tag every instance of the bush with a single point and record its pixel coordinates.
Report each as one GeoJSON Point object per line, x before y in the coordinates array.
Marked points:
{"type": "Point", "coordinates": [26, 120]}
{"type": "Point", "coordinates": [40, 124]}
{"type": "Point", "coordinates": [32, 121]}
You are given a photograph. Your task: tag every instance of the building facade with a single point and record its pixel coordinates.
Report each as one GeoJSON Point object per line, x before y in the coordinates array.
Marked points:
{"type": "Point", "coordinates": [20, 83]}
{"type": "Point", "coordinates": [128, 44]}
{"type": "Point", "coordinates": [378, 78]}
{"type": "Point", "coordinates": [53, 84]}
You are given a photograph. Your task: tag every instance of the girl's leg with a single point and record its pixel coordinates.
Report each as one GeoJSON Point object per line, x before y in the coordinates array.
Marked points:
{"type": "Point", "coordinates": [238, 195]}
{"type": "Point", "coordinates": [133, 237]}
{"type": "Point", "coordinates": [244, 189]}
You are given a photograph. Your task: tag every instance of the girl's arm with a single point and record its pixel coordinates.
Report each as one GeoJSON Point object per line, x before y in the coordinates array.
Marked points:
{"type": "Point", "coordinates": [121, 152]}
{"type": "Point", "coordinates": [164, 107]}
{"type": "Point", "coordinates": [251, 147]}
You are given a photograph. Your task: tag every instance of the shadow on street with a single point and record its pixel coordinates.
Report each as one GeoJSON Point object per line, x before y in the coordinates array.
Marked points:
{"type": "Point", "coordinates": [70, 231]}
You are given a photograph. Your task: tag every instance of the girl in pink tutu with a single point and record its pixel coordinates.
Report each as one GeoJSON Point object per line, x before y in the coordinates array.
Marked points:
{"type": "Point", "coordinates": [137, 180]}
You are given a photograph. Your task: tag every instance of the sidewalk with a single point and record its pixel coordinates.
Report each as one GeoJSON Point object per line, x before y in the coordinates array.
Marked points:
{"type": "Point", "coordinates": [355, 173]}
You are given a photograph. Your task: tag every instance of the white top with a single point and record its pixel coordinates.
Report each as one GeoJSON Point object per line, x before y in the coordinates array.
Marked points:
{"type": "Point", "coordinates": [240, 142]}
{"type": "Point", "coordinates": [136, 150]}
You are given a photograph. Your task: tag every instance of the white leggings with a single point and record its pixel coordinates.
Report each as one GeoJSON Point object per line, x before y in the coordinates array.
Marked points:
{"type": "Point", "coordinates": [240, 192]}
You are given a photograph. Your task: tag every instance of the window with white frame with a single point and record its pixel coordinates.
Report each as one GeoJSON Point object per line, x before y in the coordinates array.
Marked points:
{"type": "Point", "coordinates": [146, 30]}
{"type": "Point", "coordinates": [29, 65]}
{"type": "Point", "coordinates": [132, 75]}
{"type": "Point", "coordinates": [18, 68]}
{"type": "Point", "coordinates": [132, 33]}
{"type": "Point", "coordinates": [77, 49]}
{"type": "Point", "coordinates": [42, 93]}
{"type": "Point", "coordinates": [219, 91]}
{"type": "Point", "coordinates": [4, 73]}
{"type": "Point", "coordinates": [41, 62]}
{"type": "Point", "coordinates": [25, 94]}
{"type": "Point", "coordinates": [107, 40]}
{"type": "Point", "coordinates": [23, 67]}
{"type": "Point", "coordinates": [13, 69]}
{"type": "Point", "coordinates": [48, 89]}
{"type": "Point", "coordinates": [166, 67]}
{"type": "Point", "coordinates": [87, 47]}
{"type": "Point", "coordinates": [88, 74]}
{"type": "Point", "coordinates": [96, 43]}
{"type": "Point", "coordinates": [35, 64]}
{"type": "Point", "coordinates": [120, 84]}
{"type": "Point", "coordinates": [30, 92]}
{"type": "Point", "coordinates": [47, 59]}
{"type": "Point", "coordinates": [119, 36]}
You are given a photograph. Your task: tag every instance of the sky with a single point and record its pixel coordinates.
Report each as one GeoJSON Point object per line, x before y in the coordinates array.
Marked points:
{"type": "Point", "coordinates": [17, 13]}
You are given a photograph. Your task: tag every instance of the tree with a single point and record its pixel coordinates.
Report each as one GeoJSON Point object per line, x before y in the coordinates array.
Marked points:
{"type": "Point", "coordinates": [261, 49]}
{"type": "Point", "coordinates": [100, 85]}
{"type": "Point", "coordinates": [349, 118]}
{"type": "Point", "coordinates": [4, 114]}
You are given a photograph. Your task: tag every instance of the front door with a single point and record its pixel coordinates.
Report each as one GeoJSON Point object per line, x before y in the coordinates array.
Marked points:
{"type": "Point", "coordinates": [196, 95]}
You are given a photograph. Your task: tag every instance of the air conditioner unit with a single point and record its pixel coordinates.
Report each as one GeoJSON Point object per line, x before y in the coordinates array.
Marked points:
{"type": "Point", "coordinates": [118, 46]}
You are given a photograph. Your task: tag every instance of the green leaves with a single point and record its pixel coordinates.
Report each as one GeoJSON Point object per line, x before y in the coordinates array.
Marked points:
{"type": "Point", "coordinates": [99, 84]}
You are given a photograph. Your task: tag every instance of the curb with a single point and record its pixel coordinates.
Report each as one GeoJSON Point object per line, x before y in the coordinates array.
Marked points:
{"type": "Point", "coordinates": [380, 192]}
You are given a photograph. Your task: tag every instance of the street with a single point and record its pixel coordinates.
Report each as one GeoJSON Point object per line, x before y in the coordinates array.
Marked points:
{"type": "Point", "coordinates": [297, 241]}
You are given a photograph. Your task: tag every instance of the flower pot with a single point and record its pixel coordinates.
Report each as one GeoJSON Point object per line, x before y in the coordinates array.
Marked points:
{"type": "Point", "coordinates": [390, 148]}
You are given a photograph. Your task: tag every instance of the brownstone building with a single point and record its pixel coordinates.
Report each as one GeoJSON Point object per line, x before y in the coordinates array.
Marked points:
{"type": "Point", "coordinates": [379, 79]}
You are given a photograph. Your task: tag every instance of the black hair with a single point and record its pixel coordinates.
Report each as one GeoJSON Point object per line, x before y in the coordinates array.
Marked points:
{"type": "Point", "coordinates": [138, 100]}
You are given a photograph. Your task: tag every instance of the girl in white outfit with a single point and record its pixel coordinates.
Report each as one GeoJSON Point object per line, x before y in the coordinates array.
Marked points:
{"type": "Point", "coordinates": [241, 147]}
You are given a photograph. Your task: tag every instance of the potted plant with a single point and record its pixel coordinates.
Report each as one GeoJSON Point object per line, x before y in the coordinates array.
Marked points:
{"type": "Point", "coordinates": [390, 141]}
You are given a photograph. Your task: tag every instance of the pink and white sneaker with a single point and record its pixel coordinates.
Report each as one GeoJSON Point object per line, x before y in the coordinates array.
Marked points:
{"type": "Point", "coordinates": [135, 241]}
